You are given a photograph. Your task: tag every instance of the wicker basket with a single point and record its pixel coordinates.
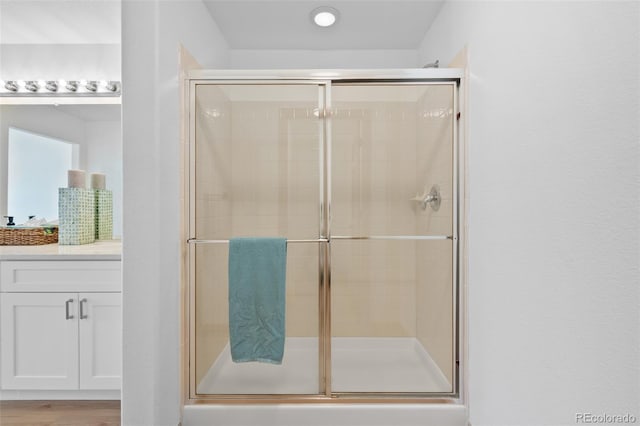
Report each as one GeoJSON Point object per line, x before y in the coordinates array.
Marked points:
{"type": "Point", "coordinates": [28, 236]}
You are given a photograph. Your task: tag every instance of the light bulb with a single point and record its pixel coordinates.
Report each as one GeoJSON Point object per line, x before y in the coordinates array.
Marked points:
{"type": "Point", "coordinates": [324, 16]}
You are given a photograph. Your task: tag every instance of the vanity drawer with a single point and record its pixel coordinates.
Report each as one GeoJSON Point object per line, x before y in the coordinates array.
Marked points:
{"type": "Point", "coordinates": [60, 275]}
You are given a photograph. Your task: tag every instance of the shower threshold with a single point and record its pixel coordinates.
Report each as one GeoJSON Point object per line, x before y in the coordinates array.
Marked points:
{"type": "Point", "coordinates": [359, 364]}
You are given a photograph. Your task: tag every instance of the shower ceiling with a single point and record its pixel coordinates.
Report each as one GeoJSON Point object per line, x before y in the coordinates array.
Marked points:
{"type": "Point", "coordinates": [363, 24]}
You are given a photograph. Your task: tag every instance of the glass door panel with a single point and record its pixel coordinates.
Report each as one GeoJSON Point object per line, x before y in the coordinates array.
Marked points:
{"type": "Point", "coordinates": [390, 146]}
{"type": "Point", "coordinates": [392, 316]}
{"type": "Point", "coordinates": [256, 163]}
{"type": "Point", "coordinates": [392, 272]}
{"type": "Point", "coordinates": [215, 372]}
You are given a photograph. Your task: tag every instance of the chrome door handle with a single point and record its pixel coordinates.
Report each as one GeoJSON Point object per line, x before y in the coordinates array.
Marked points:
{"type": "Point", "coordinates": [82, 314]}
{"type": "Point", "coordinates": [66, 307]}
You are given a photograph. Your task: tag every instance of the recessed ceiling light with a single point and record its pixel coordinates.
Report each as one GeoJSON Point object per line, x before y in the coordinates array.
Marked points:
{"type": "Point", "coordinates": [324, 16]}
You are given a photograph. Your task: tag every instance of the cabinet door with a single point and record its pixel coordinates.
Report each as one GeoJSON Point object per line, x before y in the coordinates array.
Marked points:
{"type": "Point", "coordinates": [100, 340]}
{"type": "Point", "coordinates": [39, 334]}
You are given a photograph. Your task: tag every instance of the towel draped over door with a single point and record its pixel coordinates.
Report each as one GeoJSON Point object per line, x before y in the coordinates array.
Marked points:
{"type": "Point", "coordinates": [257, 271]}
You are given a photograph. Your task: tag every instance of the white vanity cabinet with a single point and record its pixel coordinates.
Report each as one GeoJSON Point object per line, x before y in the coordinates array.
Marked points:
{"type": "Point", "coordinates": [60, 325]}
{"type": "Point", "coordinates": [100, 340]}
{"type": "Point", "coordinates": [39, 345]}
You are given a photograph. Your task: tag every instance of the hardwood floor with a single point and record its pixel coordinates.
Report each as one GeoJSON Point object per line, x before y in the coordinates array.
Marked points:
{"type": "Point", "coordinates": [59, 413]}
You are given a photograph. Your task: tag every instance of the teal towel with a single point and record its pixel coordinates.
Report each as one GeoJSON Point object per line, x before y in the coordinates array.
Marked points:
{"type": "Point", "coordinates": [257, 270]}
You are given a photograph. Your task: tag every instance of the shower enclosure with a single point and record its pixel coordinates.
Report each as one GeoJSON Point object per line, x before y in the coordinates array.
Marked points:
{"type": "Point", "coordinates": [360, 171]}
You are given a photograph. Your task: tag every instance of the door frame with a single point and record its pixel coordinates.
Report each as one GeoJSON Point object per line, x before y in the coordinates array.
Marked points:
{"type": "Point", "coordinates": [323, 78]}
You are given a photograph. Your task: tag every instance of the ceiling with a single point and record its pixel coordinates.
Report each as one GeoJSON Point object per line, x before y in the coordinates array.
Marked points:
{"type": "Point", "coordinates": [246, 24]}
{"type": "Point", "coordinates": [286, 24]}
{"type": "Point", "coordinates": [60, 22]}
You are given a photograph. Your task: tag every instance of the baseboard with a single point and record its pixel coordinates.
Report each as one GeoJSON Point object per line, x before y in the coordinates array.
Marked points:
{"type": "Point", "coordinates": [51, 395]}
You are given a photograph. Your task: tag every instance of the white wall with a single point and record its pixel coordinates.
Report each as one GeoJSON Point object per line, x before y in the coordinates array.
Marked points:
{"type": "Point", "coordinates": [60, 62]}
{"type": "Point", "coordinates": [311, 59]}
{"type": "Point", "coordinates": [554, 207]}
{"type": "Point", "coordinates": [152, 32]}
{"type": "Point", "coordinates": [60, 39]}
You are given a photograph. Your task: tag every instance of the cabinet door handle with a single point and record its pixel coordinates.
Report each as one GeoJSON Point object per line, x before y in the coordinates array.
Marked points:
{"type": "Point", "coordinates": [82, 314]}
{"type": "Point", "coordinates": [66, 307]}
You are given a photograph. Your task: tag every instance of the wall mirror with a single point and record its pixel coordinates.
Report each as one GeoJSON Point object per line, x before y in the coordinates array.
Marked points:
{"type": "Point", "coordinates": [42, 137]}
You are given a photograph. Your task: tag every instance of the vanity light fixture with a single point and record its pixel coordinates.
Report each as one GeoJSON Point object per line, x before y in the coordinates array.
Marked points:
{"type": "Point", "coordinates": [31, 85]}
{"type": "Point", "coordinates": [71, 86]}
{"type": "Point", "coordinates": [111, 86]}
{"type": "Point", "coordinates": [91, 86]}
{"type": "Point", "coordinates": [324, 16]}
{"type": "Point", "coordinates": [51, 86]}
{"type": "Point", "coordinates": [63, 88]}
{"type": "Point", "coordinates": [12, 86]}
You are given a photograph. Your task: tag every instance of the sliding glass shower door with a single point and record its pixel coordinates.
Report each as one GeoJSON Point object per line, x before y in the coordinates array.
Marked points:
{"type": "Point", "coordinates": [256, 170]}
{"type": "Point", "coordinates": [392, 287]}
{"type": "Point", "coordinates": [361, 178]}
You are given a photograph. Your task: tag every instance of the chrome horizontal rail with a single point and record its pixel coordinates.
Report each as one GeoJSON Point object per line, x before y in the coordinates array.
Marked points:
{"type": "Point", "coordinates": [394, 237]}
{"type": "Point", "coordinates": [199, 241]}
{"type": "Point", "coordinates": [342, 237]}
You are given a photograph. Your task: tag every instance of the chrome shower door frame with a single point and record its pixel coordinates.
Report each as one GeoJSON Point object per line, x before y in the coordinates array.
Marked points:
{"type": "Point", "coordinates": [323, 79]}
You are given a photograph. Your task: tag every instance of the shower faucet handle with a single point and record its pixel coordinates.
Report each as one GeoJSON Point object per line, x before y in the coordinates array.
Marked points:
{"type": "Point", "coordinates": [432, 198]}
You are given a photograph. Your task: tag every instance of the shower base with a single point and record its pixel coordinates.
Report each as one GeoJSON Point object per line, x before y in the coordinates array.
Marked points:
{"type": "Point", "coordinates": [359, 364]}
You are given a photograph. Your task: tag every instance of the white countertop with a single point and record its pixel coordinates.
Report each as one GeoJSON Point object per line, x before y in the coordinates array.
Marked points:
{"type": "Point", "coordinates": [100, 250]}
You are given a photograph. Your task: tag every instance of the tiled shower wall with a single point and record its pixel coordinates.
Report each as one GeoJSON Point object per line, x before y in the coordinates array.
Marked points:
{"type": "Point", "coordinates": [275, 192]}
{"type": "Point", "coordinates": [434, 300]}
{"type": "Point", "coordinates": [258, 175]}
{"type": "Point", "coordinates": [374, 169]}
{"type": "Point", "coordinates": [213, 211]}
